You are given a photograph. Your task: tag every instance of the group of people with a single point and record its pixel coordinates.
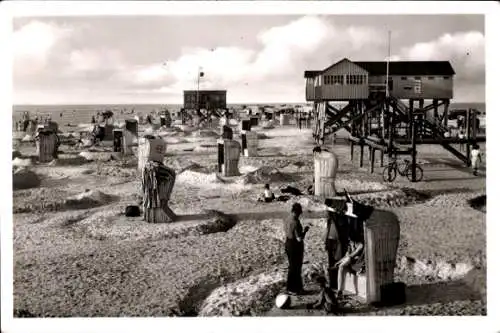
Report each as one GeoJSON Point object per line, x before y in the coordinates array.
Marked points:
{"type": "Point", "coordinates": [344, 245]}
{"type": "Point", "coordinates": [302, 119]}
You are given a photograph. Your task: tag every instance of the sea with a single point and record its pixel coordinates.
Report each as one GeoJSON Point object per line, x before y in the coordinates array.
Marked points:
{"type": "Point", "coordinates": [82, 114]}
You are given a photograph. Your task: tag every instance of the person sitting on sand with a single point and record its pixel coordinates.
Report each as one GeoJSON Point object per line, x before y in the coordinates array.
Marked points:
{"type": "Point", "coordinates": [475, 158]}
{"type": "Point", "coordinates": [268, 195]}
{"type": "Point", "coordinates": [354, 260]}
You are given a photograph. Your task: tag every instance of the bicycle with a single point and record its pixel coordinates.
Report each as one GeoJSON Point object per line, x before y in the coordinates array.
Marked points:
{"type": "Point", "coordinates": [390, 172]}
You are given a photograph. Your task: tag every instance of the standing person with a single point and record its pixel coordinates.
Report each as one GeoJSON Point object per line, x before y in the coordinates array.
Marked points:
{"type": "Point", "coordinates": [461, 137]}
{"type": "Point", "coordinates": [475, 158]}
{"type": "Point", "coordinates": [294, 248]}
{"type": "Point", "coordinates": [336, 241]}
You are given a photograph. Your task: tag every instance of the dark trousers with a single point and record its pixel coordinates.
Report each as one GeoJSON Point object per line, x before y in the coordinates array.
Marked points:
{"type": "Point", "coordinates": [331, 249]}
{"type": "Point", "coordinates": [295, 253]}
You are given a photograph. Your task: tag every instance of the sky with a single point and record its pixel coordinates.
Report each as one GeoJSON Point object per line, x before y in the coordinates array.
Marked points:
{"type": "Point", "coordinates": [256, 58]}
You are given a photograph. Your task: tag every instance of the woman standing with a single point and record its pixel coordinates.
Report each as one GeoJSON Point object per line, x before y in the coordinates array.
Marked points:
{"type": "Point", "coordinates": [294, 248]}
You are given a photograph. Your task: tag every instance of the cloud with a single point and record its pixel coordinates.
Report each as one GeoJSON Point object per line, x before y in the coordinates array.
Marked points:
{"type": "Point", "coordinates": [465, 51]}
{"type": "Point", "coordinates": [34, 43]}
{"type": "Point", "coordinates": [284, 53]}
{"type": "Point", "coordinates": [57, 58]}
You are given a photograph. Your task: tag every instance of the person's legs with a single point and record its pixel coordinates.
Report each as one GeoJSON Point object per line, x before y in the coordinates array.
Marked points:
{"type": "Point", "coordinates": [289, 248]}
{"type": "Point", "coordinates": [342, 273]}
{"type": "Point", "coordinates": [332, 271]}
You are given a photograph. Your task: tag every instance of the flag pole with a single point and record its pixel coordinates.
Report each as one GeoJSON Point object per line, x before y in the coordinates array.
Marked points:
{"type": "Point", "coordinates": [387, 68]}
{"type": "Point", "coordinates": [386, 113]}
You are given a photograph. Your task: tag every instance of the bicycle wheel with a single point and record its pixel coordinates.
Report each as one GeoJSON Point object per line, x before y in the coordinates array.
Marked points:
{"type": "Point", "coordinates": [419, 173]}
{"type": "Point", "coordinates": [389, 173]}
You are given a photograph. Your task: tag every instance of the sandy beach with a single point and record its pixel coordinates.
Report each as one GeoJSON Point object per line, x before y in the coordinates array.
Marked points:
{"type": "Point", "coordinates": [77, 255]}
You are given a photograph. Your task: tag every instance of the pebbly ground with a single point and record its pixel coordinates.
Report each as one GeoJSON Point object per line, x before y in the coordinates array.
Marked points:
{"type": "Point", "coordinates": [75, 254]}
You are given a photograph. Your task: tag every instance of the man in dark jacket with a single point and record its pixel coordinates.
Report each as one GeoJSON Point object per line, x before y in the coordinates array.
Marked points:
{"type": "Point", "coordinates": [294, 248]}
{"type": "Point", "coordinates": [336, 239]}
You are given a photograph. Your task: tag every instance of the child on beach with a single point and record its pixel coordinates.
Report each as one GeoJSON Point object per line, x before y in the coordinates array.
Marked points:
{"type": "Point", "coordinates": [326, 298]}
{"type": "Point", "coordinates": [268, 195]}
{"type": "Point", "coordinates": [475, 157]}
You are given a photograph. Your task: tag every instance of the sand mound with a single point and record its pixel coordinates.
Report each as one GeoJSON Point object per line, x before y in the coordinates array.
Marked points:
{"type": "Point", "coordinates": [95, 156]}
{"type": "Point", "coordinates": [266, 174]}
{"type": "Point", "coordinates": [68, 161]}
{"type": "Point", "coordinates": [196, 168]}
{"type": "Point", "coordinates": [219, 222]}
{"type": "Point", "coordinates": [355, 185]}
{"type": "Point", "coordinates": [197, 178]}
{"type": "Point", "coordinates": [116, 171]}
{"type": "Point", "coordinates": [186, 128]}
{"type": "Point", "coordinates": [22, 162]}
{"type": "Point", "coordinates": [23, 178]}
{"type": "Point", "coordinates": [173, 141]}
{"type": "Point", "coordinates": [239, 298]}
{"type": "Point", "coordinates": [16, 154]}
{"type": "Point", "coordinates": [262, 136]}
{"type": "Point", "coordinates": [88, 199]}
{"type": "Point", "coordinates": [205, 133]}
{"type": "Point", "coordinates": [27, 138]}
{"type": "Point", "coordinates": [267, 125]}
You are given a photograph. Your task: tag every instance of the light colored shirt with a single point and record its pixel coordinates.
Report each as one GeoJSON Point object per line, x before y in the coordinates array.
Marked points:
{"type": "Point", "coordinates": [475, 153]}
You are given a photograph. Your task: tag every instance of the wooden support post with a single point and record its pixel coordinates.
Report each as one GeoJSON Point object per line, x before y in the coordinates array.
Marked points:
{"type": "Point", "coordinates": [381, 157]}
{"type": "Point", "coordinates": [413, 142]}
{"type": "Point", "coordinates": [372, 159]}
{"type": "Point", "coordinates": [435, 108]}
{"type": "Point", "coordinates": [468, 134]}
{"type": "Point", "coordinates": [473, 123]}
{"type": "Point", "coordinates": [445, 115]}
{"type": "Point", "coordinates": [361, 152]}
{"type": "Point", "coordinates": [420, 108]}
{"type": "Point", "coordinates": [390, 130]}
{"type": "Point", "coordinates": [352, 151]}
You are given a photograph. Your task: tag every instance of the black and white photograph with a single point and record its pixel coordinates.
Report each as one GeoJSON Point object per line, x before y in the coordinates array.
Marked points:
{"type": "Point", "coordinates": [212, 162]}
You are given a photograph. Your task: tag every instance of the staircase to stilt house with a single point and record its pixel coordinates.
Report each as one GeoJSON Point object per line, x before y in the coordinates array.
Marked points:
{"type": "Point", "coordinates": [439, 132]}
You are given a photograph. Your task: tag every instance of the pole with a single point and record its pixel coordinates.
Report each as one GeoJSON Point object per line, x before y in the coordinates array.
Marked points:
{"type": "Point", "coordinates": [413, 142]}
{"type": "Point", "coordinates": [385, 108]}
{"type": "Point", "coordinates": [198, 91]}
{"type": "Point", "coordinates": [387, 67]}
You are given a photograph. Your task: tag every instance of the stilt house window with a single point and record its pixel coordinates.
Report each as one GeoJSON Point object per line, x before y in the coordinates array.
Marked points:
{"type": "Point", "coordinates": [355, 79]}
{"type": "Point", "coordinates": [338, 79]}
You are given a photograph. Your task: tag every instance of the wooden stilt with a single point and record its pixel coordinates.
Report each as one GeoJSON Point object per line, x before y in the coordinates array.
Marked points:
{"type": "Point", "coordinates": [390, 130]}
{"type": "Point", "coordinates": [473, 124]}
{"type": "Point", "coordinates": [361, 152]}
{"type": "Point", "coordinates": [420, 117]}
{"type": "Point", "coordinates": [468, 135]}
{"type": "Point", "coordinates": [413, 142]}
{"type": "Point", "coordinates": [352, 151]}
{"type": "Point", "coordinates": [381, 158]}
{"type": "Point", "coordinates": [435, 110]}
{"type": "Point", "coordinates": [445, 115]}
{"type": "Point", "coordinates": [372, 159]}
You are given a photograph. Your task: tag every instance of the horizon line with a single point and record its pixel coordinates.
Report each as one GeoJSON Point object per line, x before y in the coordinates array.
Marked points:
{"type": "Point", "coordinates": [233, 103]}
